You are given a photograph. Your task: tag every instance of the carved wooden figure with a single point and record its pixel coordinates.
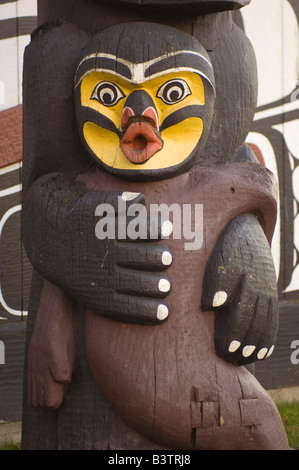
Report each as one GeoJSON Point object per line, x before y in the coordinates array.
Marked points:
{"type": "Point", "coordinates": [150, 231]}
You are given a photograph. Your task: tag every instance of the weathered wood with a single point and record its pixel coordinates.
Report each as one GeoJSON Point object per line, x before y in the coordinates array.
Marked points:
{"type": "Point", "coordinates": [194, 7]}
{"type": "Point", "coordinates": [247, 324]}
{"type": "Point", "coordinates": [147, 372]}
{"type": "Point", "coordinates": [205, 6]}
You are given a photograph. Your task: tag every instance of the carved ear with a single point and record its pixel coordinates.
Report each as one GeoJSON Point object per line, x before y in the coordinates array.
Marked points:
{"type": "Point", "coordinates": [50, 62]}
{"type": "Point", "coordinates": [236, 85]}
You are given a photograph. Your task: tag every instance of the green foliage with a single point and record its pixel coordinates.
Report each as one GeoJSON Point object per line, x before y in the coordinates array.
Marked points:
{"type": "Point", "coordinates": [9, 446]}
{"type": "Point", "coordinates": [289, 413]}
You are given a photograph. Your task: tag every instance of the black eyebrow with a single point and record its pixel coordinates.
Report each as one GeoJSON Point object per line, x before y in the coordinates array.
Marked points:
{"type": "Point", "coordinates": [99, 62]}
{"type": "Point", "coordinates": [182, 60]}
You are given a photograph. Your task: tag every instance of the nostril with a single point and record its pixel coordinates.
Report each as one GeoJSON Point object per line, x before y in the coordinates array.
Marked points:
{"type": "Point", "coordinates": [151, 116]}
{"type": "Point", "coordinates": [126, 117]}
{"type": "Point", "coordinates": [139, 142]}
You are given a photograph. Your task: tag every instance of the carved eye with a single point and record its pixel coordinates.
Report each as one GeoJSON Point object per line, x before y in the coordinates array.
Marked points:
{"type": "Point", "coordinates": [107, 93]}
{"type": "Point", "coordinates": [173, 91]}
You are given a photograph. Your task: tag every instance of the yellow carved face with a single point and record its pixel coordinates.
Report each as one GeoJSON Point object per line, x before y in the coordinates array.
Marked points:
{"type": "Point", "coordinates": [165, 95]}
{"type": "Point", "coordinates": [140, 123]}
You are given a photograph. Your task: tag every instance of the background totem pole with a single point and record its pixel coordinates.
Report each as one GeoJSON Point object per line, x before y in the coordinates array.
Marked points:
{"type": "Point", "coordinates": [141, 342]}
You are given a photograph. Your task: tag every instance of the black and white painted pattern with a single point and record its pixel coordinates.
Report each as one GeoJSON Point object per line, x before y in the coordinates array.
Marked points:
{"type": "Point", "coordinates": [274, 33]}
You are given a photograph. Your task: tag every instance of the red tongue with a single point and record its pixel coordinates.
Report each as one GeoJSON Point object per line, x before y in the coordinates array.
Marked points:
{"type": "Point", "coordinates": [140, 142]}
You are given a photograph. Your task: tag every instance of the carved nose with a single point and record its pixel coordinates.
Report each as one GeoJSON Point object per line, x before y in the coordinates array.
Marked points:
{"type": "Point", "coordinates": [148, 115]}
{"type": "Point", "coordinates": [139, 105]}
{"type": "Point", "coordinates": [139, 126]}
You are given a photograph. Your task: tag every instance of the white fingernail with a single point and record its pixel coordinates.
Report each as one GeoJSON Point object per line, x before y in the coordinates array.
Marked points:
{"type": "Point", "coordinates": [262, 353]}
{"type": "Point", "coordinates": [166, 258]}
{"type": "Point", "coordinates": [167, 228]}
{"type": "Point", "coordinates": [162, 312]}
{"type": "Point", "coordinates": [164, 285]}
{"type": "Point", "coordinates": [270, 351]}
{"type": "Point", "coordinates": [248, 350]}
{"type": "Point", "coordinates": [234, 345]}
{"type": "Point", "coordinates": [127, 196]}
{"type": "Point", "coordinates": [219, 298]}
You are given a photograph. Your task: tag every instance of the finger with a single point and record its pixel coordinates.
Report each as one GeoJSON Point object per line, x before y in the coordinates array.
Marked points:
{"type": "Point", "coordinates": [258, 342]}
{"type": "Point", "coordinates": [144, 256]}
{"type": "Point", "coordinates": [249, 344]}
{"type": "Point", "coordinates": [137, 225]}
{"type": "Point", "coordinates": [142, 284]}
{"type": "Point", "coordinates": [61, 372]}
{"type": "Point", "coordinates": [117, 202]}
{"type": "Point", "coordinates": [54, 392]}
{"type": "Point", "coordinates": [232, 322]}
{"type": "Point", "coordinates": [132, 198]}
{"type": "Point", "coordinates": [61, 357]}
{"type": "Point", "coordinates": [139, 310]}
{"type": "Point", "coordinates": [265, 346]}
{"type": "Point", "coordinates": [235, 313]}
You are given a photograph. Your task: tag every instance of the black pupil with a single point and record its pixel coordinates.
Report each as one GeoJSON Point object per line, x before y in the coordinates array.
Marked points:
{"type": "Point", "coordinates": [107, 93]}
{"type": "Point", "coordinates": [107, 98]}
{"type": "Point", "coordinates": [174, 95]}
{"type": "Point", "coordinates": [174, 91]}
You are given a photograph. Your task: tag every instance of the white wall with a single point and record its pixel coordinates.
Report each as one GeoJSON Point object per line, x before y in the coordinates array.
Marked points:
{"type": "Point", "coordinates": [272, 27]}
{"type": "Point", "coordinates": [11, 52]}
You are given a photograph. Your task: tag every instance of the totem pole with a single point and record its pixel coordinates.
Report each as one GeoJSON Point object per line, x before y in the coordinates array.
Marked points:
{"type": "Point", "coordinates": [148, 222]}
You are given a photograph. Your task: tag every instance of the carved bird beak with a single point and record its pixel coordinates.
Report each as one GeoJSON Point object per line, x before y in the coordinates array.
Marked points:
{"type": "Point", "coordinates": [140, 138]}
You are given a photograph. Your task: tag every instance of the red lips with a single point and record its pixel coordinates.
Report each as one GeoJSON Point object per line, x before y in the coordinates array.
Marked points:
{"type": "Point", "coordinates": [141, 139]}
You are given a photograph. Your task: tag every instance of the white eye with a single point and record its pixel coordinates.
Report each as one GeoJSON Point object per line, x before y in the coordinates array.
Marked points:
{"type": "Point", "coordinates": [174, 91]}
{"type": "Point", "coordinates": [107, 93]}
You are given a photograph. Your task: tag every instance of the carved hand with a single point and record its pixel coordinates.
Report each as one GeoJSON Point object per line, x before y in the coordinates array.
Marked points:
{"type": "Point", "coordinates": [116, 277]}
{"type": "Point", "coordinates": [240, 286]}
{"type": "Point", "coordinates": [52, 350]}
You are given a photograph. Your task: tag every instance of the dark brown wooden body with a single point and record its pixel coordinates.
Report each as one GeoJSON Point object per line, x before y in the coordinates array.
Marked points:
{"type": "Point", "coordinates": [166, 381]}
